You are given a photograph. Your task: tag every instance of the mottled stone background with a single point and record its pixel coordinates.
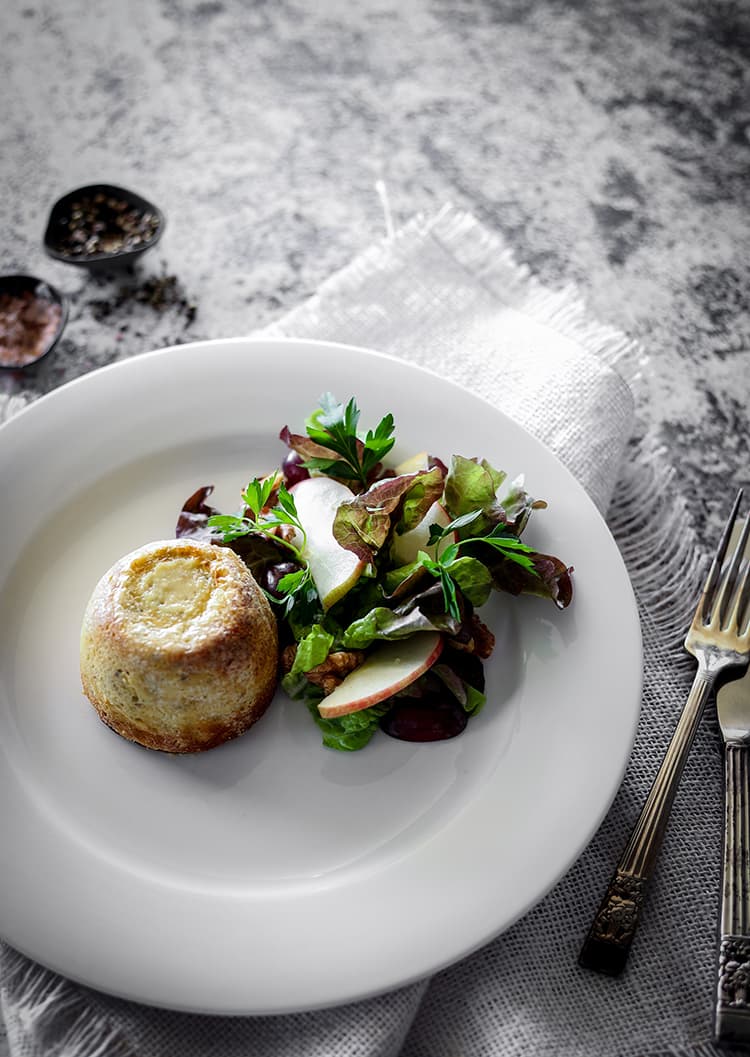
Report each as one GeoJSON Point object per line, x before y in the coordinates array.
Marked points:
{"type": "Point", "coordinates": [608, 141]}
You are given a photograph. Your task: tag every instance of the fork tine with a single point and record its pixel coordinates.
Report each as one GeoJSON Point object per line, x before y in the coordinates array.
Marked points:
{"type": "Point", "coordinates": [743, 600]}
{"type": "Point", "coordinates": [709, 591]}
{"type": "Point", "coordinates": [730, 580]}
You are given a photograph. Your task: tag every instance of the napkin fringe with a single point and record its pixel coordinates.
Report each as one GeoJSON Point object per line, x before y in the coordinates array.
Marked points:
{"type": "Point", "coordinates": [50, 1014]}
{"type": "Point", "coordinates": [653, 528]}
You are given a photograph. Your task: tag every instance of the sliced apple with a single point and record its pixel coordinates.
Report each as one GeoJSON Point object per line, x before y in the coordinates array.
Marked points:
{"type": "Point", "coordinates": [415, 463]}
{"type": "Point", "coordinates": [389, 668]}
{"type": "Point", "coordinates": [407, 546]}
{"type": "Point", "coordinates": [334, 569]}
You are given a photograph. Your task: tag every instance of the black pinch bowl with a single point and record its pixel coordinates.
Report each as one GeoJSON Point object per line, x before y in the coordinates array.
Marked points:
{"type": "Point", "coordinates": [18, 285]}
{"type": "Point", "coordinates": [57, 228]}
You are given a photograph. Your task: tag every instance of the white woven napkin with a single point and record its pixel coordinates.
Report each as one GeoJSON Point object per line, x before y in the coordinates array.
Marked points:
{"type": "Point", "coordinates": [446, 293]}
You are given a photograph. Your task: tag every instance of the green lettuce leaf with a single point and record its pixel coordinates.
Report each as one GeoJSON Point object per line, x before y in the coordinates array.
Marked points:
{"type": "Point", "coordinates": [517, 505]}
{"type": "Point", "coordinates": [472, 485]}
{"type": "Point", "coordinates": [474, 578]}
{"type": "Point", "coordinates": [404, 580]}
{"type": "Point", "coordinates": [344, 733]}
{"type": "Point", "coordinates": [384, 623]}
{"type": "Point", "coordinates": [312, 650]}
{"type": "Point", "coordinates": [352, 732]}
{"type": "Point", "coordinates": [423, 612]}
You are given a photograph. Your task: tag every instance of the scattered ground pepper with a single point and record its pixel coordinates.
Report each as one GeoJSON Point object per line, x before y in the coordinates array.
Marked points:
{"type": "Point", "coordinates": [160, 292]}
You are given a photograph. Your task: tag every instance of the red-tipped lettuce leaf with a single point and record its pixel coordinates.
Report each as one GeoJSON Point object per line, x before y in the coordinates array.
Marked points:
{"type": "Point", "coordinates": [549, 578]}
{"type": "Point", "coordinates": [308, 449]}
{"type": "Point", "coordinates": [193, 518]}
{"type": "Point", "coordinates": [363, 524]}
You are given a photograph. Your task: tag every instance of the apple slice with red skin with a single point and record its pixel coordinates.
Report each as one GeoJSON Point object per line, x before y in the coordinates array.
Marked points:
{"type": "Point", "coordinates": [334, 569]}
{"type": "Point", "coordinates": [389, 668]}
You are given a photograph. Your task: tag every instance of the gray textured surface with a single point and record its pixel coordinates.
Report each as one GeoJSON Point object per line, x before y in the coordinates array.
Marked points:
{"type": "Point", "coordinates": [608, 142]}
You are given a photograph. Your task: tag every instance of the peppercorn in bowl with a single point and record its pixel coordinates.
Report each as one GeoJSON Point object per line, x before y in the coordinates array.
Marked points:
{"type": "Point", "coordinates": [101, 225]}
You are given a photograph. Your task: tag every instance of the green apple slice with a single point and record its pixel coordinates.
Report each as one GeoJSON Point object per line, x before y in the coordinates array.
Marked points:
{"type": "Point", "coordinates": [334, 570]}
{"type": "Point", "coordinates": [389, 668]}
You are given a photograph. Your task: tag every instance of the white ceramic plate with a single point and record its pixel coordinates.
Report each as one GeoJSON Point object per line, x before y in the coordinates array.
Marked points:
{"type": "Point", "coordinates": [273, 874]}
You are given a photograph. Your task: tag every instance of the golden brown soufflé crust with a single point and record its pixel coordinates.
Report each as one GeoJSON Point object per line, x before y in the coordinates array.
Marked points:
{"type": "Point", "coordinates": [179, 647]}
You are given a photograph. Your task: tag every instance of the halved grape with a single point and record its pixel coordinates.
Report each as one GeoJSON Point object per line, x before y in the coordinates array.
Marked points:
{"type": "Point", "coordinates": [269, 577]}
{"type": "Point", "coordinates": [293, 470]}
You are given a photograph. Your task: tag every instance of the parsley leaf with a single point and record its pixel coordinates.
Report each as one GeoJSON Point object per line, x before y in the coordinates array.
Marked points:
{"type": "Point", "coordinates": [441, 573]}
{"type": "Point", "coordinates": [452, 570]}
{"type": "Point", "coordinates": [230, 526]}
{"type": "Point", "coordinates": [334, 426]}
{"type": "Point", "coordinates": [257, 493]}
{"type": "Point", "coordinates": [264, 522]}
{"type": "Point", "coordinates": [509, 546]}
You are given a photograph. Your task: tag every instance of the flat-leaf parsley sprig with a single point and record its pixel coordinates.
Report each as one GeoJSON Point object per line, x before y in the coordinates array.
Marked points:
{"type": "Point", "coordinates": [500, 539]}
{"type": "Point", "coordinates": [264, 521]}
{"type": "Point", "coordinates": [444, 565]}
{"type": "Point", "coordinates": [334, 426]}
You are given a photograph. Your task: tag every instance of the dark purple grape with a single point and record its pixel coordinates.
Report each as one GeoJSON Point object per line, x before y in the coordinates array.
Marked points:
{"type": "Point", "coordinates": [293, 470]}
{"type": "Point", "coordinates": [424, 719]}
{"type": "Point", "coordinates": [270, 576]}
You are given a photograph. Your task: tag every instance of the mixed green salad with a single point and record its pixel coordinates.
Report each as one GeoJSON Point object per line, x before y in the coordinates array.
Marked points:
{"type": "Point", "coordinates": [376, 572]}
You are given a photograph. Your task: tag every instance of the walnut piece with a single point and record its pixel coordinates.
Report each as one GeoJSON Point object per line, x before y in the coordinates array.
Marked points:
{"type": "Point", "coordinates": [330, 672]}
{"type": "Point", "coordinates": [335, 669]}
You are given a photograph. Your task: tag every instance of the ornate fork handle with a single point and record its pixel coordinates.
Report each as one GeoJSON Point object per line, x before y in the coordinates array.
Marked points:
{"type": "Point", "coordinates": [733, 992]}
{"type": "Point", "coordinates": [607, 945]}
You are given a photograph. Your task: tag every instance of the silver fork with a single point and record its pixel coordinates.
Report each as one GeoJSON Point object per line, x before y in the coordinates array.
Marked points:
{"type": "Point", "coordinates": [732, 1014]}
{"type": "Point", "coordinates": [718, 638]}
